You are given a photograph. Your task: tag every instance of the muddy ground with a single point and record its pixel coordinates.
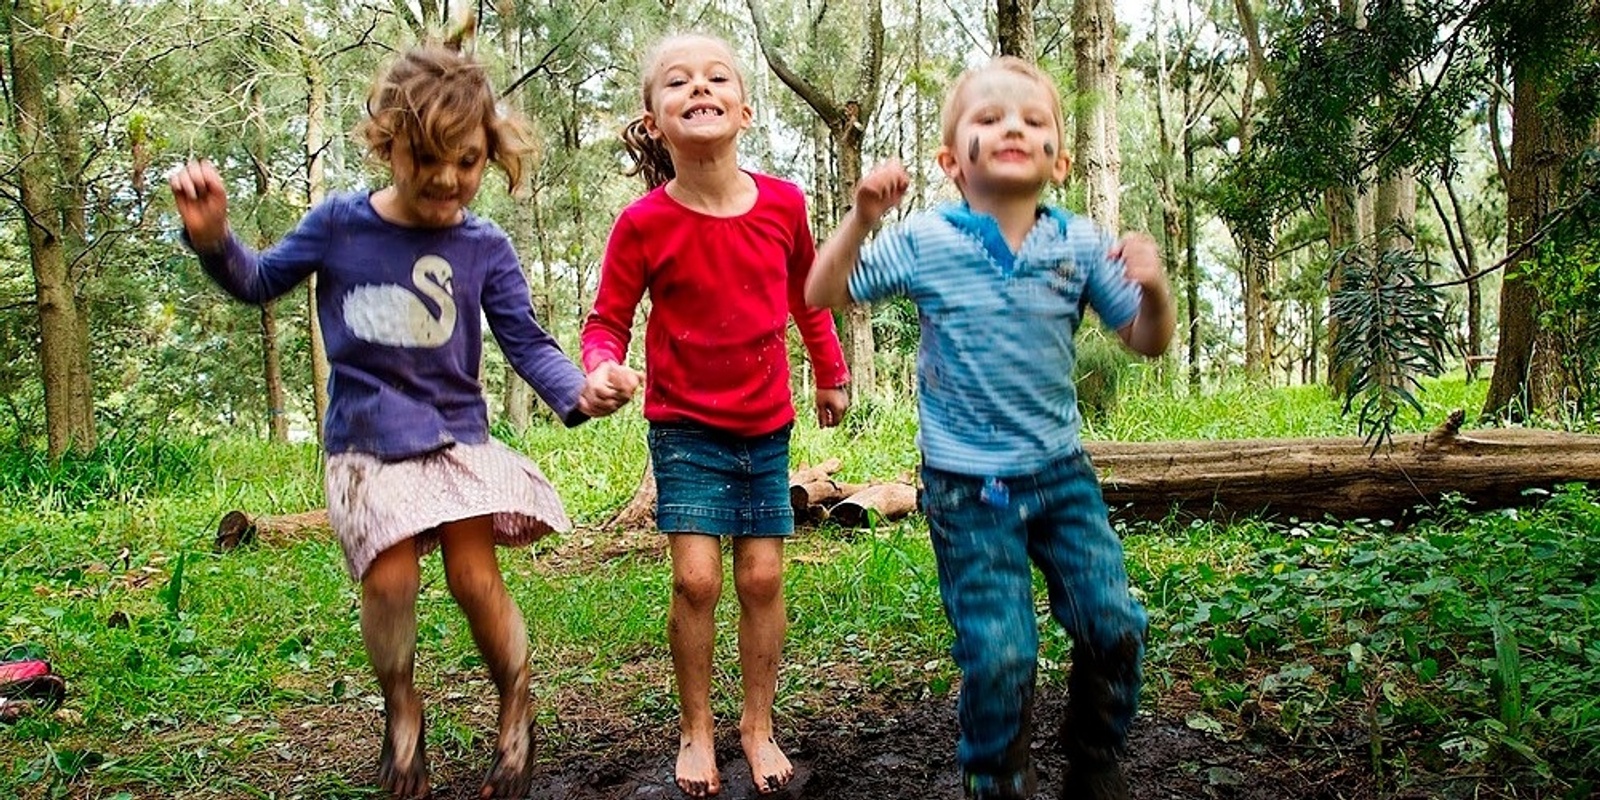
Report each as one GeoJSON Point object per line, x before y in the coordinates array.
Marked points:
{"type": "Point", "coordinates": [883, 752]}
{"type": "Point", "coordinates": [865, 746]}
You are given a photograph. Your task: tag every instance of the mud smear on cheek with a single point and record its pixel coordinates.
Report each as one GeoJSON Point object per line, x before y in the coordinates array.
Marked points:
{"type": "Point", "coordinates": [1050, 149]}
{"type": "Point", "coordinates": [972, 150]}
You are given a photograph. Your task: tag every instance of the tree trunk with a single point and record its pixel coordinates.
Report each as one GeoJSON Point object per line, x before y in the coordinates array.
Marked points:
{"type": "Point", "coordinates": [847, 119]}
{"type": "Point", "coordinates": [1099, 156]}
{"type": "Point", "coordinates": [1524, 384]}
{"type": "Point", "coordinates": [271, 353]}
{"type": "Point", "coordinates": [1173, 231]}
{"type": "Point", "coordinates": [517, 402]}
{"type": "Point", "coordinates": [1310, 479]}
{"type": "Point", "coordinates": [44, 138]}
{"type": "Point", "coordinates": [316, 189]}
{"type": "Point", "coordinates": [1014, 29]}
{"type": "Point", "coordinates": [1255, 240]}
{"type": "Point", "coordinates": [1469, 270]}
{"type": "Point", "coordinates": [1191, 264]}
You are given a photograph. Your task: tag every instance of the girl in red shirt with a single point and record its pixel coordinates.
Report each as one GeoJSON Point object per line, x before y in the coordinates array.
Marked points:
{"type": "Point", "coordinates": [723, 253]}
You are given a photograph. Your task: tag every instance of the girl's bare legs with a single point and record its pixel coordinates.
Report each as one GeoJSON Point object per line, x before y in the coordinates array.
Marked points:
{"type": "Point", "coordinates": [473, 574]}
{"type": "Point", "coordinates": [758, 580]}
{"type": "Point", "coordinates": [389, 630]}
{"type": "Point", "coordinates": [691, 632]}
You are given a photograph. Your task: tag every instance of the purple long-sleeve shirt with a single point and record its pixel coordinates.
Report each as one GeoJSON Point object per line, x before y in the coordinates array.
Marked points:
{"type": "Point", "coordinates": [401, 312]}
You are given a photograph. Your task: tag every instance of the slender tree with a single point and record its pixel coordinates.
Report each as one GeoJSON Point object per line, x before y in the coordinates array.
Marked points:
{"type": "Point", "coordinates": [1014, 29]}
{"type": "Point", "coordinates": [847, 118]}
{"type": "Point", "coordinates": [1098, 162]}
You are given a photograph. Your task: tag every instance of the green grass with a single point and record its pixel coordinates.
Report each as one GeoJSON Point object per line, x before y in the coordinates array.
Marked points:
{"type": "Point", "coordinates": [1464, 644]}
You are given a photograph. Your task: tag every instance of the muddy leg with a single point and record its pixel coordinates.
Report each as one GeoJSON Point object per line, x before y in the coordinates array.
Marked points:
{"type": "Point", "coordinates": [1102, 691]}
{"type": "Point", "coordinates": [691, 633]}
{"type": "Point", "coordinates": [758, 580]}
{"type": "Point", "coordinates": [473, 574]}
{"type": "Point", "coordinates": [389, 629]}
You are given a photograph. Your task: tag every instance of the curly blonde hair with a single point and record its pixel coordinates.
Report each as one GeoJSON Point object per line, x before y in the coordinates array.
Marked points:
{"type": "Point", "coordinates": [434, 96]}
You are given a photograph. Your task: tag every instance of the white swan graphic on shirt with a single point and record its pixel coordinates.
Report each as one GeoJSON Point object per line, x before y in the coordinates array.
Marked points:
{"type": "Point", "coordinates": [395, 315]}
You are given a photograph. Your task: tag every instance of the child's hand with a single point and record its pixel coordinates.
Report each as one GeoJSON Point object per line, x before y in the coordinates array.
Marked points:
{"type": "Point", "coordinates": [831, 405]}
{"type": "Point", "coordinates": [1151, 329]}
{"type": "Point", "coordinates": [1141, 262]}
{"type": "Point", "coordinates": [202, 202]}
{"type": "Point", "coordinates": [881, 190]}
{"type": "Point", "coordinates": [607, 388]}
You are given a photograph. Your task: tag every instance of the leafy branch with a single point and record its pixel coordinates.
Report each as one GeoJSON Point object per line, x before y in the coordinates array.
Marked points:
{"type": "Point", "coordinates": [1391, 333]}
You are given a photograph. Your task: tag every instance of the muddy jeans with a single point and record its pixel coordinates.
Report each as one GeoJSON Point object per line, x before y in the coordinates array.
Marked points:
{"type": "Point", "coordinates": [985, 532]}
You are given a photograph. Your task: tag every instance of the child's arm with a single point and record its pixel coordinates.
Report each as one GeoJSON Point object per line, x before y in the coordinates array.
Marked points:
{"type": "Point", "coordinates": [1151, 329]}
{"type": "Point", "coordinates": [201, 199]}
{"type": "Point", "coordinates": [609, 326]}
{"type": "Point", "coordinates": [879, 191]}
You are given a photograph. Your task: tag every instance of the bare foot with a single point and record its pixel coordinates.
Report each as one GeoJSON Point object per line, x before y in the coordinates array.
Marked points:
{"type": "Point", "coordinates": [403, 761]}
{"type": "Point", "coordinates": [697, 766]}
{"type": "Point", "coordinates": [511, 774]}
{"type": "Point", "coordinates": [769, 767]}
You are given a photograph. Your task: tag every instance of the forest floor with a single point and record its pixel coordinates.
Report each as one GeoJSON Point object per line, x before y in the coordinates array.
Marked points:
{"type": "Point", "coordinates": [861, 752]}
{"type": "Point", "coordinates": [884, 745]}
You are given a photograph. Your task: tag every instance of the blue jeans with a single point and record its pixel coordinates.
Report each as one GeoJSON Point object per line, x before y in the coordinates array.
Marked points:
{"type": "Point", "coordinates": [985, 533]}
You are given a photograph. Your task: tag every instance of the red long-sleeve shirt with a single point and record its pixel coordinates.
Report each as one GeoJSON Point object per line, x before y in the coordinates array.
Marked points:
{"type": "Point", "coordinates": [722, 290]}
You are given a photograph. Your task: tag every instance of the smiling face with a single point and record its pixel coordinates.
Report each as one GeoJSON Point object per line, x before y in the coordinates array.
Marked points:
{"type": "Point", "coordinates": [693, 94]}
{"type": "Point", "coordinates": [432, 190]}
{"type": "Point", "coordinates": [1003, 134]}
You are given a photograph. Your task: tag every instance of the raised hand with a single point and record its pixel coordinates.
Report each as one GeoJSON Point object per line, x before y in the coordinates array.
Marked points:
{"type": "Point", "coordinates": [881, 189]}
{"type": "Point", "coordinates": [202, 203]}
{"type": "Point", "coordinates": [1141, 262]}
{"type": "Point", "coordinates": [1151, 330]}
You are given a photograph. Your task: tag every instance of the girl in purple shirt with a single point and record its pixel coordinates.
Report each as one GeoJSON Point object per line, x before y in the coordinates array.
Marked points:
{"type": "Point", "coordinates": [404, 277]}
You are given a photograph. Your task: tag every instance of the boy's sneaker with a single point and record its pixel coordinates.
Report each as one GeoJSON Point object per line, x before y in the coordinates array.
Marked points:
{"type": "Point", "coordinates": [1094, 781]}
{"type": "Point", "coordinates": [1020, 786]}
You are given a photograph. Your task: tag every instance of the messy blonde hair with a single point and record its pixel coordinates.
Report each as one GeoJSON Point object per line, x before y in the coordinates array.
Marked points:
{"type": "Point", "coordinates": [651, 159]}
{"type": "Point", "coordinates": [434, 96]}
{"type": "Point", "coordinates": [953, 99]}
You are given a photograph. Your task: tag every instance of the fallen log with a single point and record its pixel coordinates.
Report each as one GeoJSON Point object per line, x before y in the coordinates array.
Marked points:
{"type": "Point", "coordinates": [1339, 477]}
{"type": "Point", "coordinates": [237, 528]}
{"type": "Point", "coordinates": [640, 512]}
{"type": "Point", "coordinates": [1307, 479]}
{"type": "Point", "coordinates": [883, 502]}
{"type": "Point", "coordinates": [811, 500]}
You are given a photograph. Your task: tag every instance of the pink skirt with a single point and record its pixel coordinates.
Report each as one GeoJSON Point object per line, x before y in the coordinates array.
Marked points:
{"type": "Point", "coordinates": [374, 504]}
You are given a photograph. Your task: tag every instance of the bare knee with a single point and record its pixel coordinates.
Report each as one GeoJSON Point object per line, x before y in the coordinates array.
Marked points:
{"type": "Point", "coordinates": [472, 586]}
{"type": "Point", "coordinates": [698, 590]}
{"type": "Point", "coordinates": [758, 585]}
{"type": "Point", "coordinates": [393, 580]}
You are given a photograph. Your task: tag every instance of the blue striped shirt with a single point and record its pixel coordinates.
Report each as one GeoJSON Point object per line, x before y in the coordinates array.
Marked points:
{"type": "Point", "coordinates": [994, 368]}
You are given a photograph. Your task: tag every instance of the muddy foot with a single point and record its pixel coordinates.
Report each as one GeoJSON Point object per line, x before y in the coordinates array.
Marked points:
{"type": "Point", "coordinates": [511, 774]}
{"type": "Point", "coordinates": [403, 766]}
{"type": "Point", "coordinates": [769, 767]}
{"type": "Point", "coordinates": [697, 766]}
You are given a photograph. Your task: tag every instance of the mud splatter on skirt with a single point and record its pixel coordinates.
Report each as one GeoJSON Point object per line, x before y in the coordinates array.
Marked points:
{"type": "Point", "coordinates": [375, 504]}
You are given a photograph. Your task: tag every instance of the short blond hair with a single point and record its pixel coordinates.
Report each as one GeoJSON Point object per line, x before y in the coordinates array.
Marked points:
{"type": "Point", "coordinates": [434, 96]}
{"type": "Point", "coordinates": [953, 99]}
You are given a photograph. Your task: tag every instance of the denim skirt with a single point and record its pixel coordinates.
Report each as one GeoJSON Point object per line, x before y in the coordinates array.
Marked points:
{"type": "Point", "coordinates": [718, 483]}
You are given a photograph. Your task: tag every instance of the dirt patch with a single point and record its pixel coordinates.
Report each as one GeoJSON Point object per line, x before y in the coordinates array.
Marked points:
{"type": "Point", "coordinates": [897, 751]}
